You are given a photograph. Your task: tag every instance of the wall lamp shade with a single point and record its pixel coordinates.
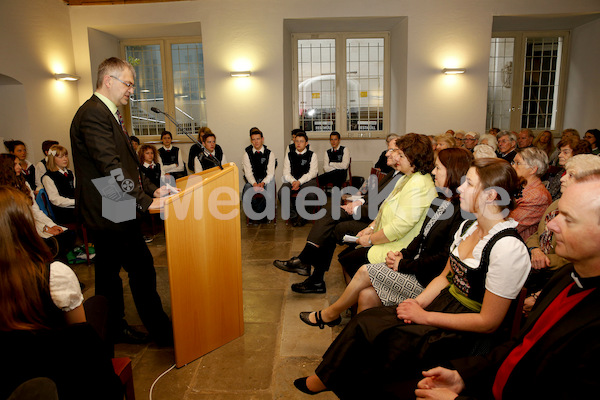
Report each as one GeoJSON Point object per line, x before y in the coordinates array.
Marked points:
{"type": "Point", "coordinates": [453, 71]}
{"type": "Point", "coordinates": [66, 77]}
{"type": "Point", "coordinates": [240, 74]}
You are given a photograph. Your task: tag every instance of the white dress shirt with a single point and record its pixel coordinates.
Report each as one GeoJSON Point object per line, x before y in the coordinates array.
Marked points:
{"type": "Point", "coordinates": [330, 166]}
{"type": "Point", "coordinates": [247, 166]}
{"type": "Point", "coordinates": [172, 167]}
{"type": "Point", "coordinates": [312, 173]}
{"type": "Point", "coordinates": [55, 198]}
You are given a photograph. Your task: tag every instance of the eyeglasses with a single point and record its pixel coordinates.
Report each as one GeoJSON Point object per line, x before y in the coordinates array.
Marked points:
{"type": "Point", "coordinates": [518, 163]}
{"type": "Point", "coordinates": [129, 85]}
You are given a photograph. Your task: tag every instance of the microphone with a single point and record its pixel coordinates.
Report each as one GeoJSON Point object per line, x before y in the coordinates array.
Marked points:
{"type": "Point", "coordinates": [202, 153]}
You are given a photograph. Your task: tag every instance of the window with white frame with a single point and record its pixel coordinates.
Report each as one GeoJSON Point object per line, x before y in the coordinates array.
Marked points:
{"type": "Point", "coordinates": [341, 83]}
{"type": "Point", "coordinates": [170, 77]}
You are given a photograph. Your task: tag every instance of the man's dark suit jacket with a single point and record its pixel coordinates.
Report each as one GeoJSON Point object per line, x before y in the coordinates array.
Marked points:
{"type": "Point", "coordinates": [563, 364]}
{"type": "Point", "coordinates": [99, 146]}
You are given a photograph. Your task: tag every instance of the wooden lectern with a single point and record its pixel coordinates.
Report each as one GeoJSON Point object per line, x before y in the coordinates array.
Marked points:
{"type": "Point", "coordinates": [204, 253]}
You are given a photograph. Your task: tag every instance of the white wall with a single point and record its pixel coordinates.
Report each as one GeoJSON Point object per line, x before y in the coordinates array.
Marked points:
{"type": "Point", "coordinates": [35, 43]}
{"type": "Point", "coordinates": [583, 101]}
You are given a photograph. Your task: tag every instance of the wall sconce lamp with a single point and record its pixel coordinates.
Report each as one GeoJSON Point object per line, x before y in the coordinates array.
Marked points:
{"type": "Point", "coordinates": [66, 77]}
{"type": "Point", "coordinates": [240, 74]}
{"type": "Point", "coordinates": [453, 71]}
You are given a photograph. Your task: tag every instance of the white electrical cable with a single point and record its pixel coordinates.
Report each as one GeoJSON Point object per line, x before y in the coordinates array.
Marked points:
{"type": "Point", "coordinates": [160, 376]}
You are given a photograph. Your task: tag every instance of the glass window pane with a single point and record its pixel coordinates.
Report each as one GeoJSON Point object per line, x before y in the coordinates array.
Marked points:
{"type": "Point", "coordinates": [316, 84]}
{"type": "Point", "coordinates": [500, 83]}
{"type": "Point", "coordinates": [148, 90]}
{"type": "Point", "coordinates": [364, 80]}
{"type": "Point", "coordinates": [540, 83]}
{"type": "Point", "coordinates": [188, 85]}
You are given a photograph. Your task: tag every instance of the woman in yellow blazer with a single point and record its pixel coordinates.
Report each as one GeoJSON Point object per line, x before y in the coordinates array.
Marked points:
{"type": "Point", "coordinates": [402, 213]}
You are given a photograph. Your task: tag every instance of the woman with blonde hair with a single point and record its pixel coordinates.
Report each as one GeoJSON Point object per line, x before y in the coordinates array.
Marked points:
{"type": "Point", "coordinates": [545, 142]}
{"type": "Point", "coordinates": [59, 182]}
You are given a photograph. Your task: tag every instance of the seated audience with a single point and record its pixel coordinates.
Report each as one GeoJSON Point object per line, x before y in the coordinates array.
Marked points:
{"type": "Point", "coordinates": [484, 151]}
{"type": "Point", "coordinates": [471, 140]}
{"type": "Point", "coordinates": [555, 356]}
{"type": "Point", "coordinates": [568, 147]}
{"type": "Point", "coordinates": [150, 163]}
{"type": "Point", "coordinates": [42, 324]}
{"type": "Point", "coordinates": [593, 137]}
{"type": "Point", "coordinates": [59, 240]}
{"type": "Point", "coordinates": [329, 230]}
{"type": "Point", "coordinates": [59, 183]}
{"type": "Point", "coordinates": [258, 163]}
{"type": "Point", "coordinates": [40, 167]}
{"type": "Point", "coordinates": [490, 140]}
{"type": "Point", "coordinates": [171, 157]}
{"type": "Point", "coordinates": [212, 156]}
{"type": "Point", "coordinates": [335, 163]}
{"type": "Point", "coordinates": [541, 244]}
{"type": "Point", "coordinates": [488, 265]}
{"type": "Point", "coordinates": [507, 143]}
{"type": "Point", "coordinates": [530, 163]}
{"type": "Point", "coordinates": [449, 132]}
{"type": "Point", "coordinates": [545, 142]}
{"type": "Point", "coordinates": [18, 149]}
{"type": "Point", "coordinates": [300, 169]}
{"type": "Point", "coordinates": [525, 138]}
{"type": "Point", "coordinates": [401, 215]}
{"type": "Point", "coordinates": [382, 164]}
{"type": "Point", "coordinates": [407, 272]}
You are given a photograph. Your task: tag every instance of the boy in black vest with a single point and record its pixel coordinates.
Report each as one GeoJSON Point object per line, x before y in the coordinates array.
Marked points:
{"type": "Point", "coordinates": [300, 169]}
{"type": "Point", "coordinates": [335, 163]}
{"type": "Point", "coordinates": [258, 163]}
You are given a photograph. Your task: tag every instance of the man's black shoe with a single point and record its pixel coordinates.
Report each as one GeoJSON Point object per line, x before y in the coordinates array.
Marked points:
{"type": "Point", "coordinates": [127, 334]}
{"type": "Point", "coordinates": [309, 286]}
{"type": "Point", "coordinates": [293, 265]}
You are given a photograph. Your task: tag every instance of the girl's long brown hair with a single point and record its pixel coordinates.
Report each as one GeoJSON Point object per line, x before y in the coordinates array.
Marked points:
{"type": "Point", "coordinates": [9, 177]}
{"type": "Point", "coordinates": [23, 262]}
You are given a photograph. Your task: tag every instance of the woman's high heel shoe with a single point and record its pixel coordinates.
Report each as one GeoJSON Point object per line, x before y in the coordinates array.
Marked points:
{"type": "Point", "coordinates": [300, 384]}
{"type": "Point", "coordinates": [320, 323]}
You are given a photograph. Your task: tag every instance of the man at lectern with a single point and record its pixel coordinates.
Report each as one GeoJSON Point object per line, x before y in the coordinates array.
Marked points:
{"type": "Point", "coordinates": [101, 149]}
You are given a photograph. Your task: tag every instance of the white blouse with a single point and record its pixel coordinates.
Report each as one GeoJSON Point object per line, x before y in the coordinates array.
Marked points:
{"type": "Point", "coordinates": [509, 259]}
{"type": "Point", "coordinates": [64, 287]}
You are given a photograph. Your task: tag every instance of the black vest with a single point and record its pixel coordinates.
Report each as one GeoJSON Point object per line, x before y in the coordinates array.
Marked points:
{"type": "Point", "coordinates": [299, 163]}
{"type": "Point", "coordinates": [336, 156]}
{"type": "Point", "coordinates": [259, 162]}
{"type": "Point", "coordinates": [64, 184]}
{"type": "Point", "coordinates": [169, 157]}
{"type": "Point", "coordinates": [208, 162]}
{"type": "Point", "coordinates": [152, 173]}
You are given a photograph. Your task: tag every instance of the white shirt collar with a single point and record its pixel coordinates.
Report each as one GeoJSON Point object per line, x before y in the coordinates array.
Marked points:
{"type": "Point", "coordinates": [168, 148]}
{"type": "Point", "coordinates": [148, 165]}
{"type": "Point", "coordinates": [262, 149]}
{"type": "Point", "coordinates": [302, 152]}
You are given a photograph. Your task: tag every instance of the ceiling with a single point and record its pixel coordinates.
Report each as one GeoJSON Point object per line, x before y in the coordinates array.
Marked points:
{"type": "Point", "coordinates": [108, 2]}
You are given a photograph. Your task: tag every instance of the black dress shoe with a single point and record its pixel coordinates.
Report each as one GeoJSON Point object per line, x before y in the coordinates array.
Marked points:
{"type": "Point", "coordinates": [127, 334]}
{"type": "Point", "coordinates": [293, 265]}
{"type": "Point", "coordinates": [304, 316]}
{"type": "Point", "coordinates": [309, 286]}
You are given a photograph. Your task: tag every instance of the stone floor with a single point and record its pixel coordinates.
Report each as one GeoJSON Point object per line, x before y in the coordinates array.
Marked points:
{"type": "Point", "coordinates": [276, 347]}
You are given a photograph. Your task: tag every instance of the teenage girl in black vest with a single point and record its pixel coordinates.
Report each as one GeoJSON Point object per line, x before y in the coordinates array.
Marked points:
{"type": "Point", "coordinates": [18, 148]}
{"type": "Point", "coordinates": [170, 157]}
{"type": "Point", "coordinates": [40, 167]}
{"type": "Point", "coordinates": [59, 183]}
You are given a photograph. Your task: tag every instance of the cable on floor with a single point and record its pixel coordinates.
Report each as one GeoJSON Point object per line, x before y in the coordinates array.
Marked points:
{"type": "Point", "coordinates": [160, 376]}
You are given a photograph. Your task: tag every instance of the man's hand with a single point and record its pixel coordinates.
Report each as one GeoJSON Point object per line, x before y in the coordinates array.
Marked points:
{"type": "Point", "coordinates": [258, 187]}
{"type": "Point", "coordinates": [157, 203]}
{"type": "Point", "coordinates": [539, 260]}
{"type": "Point", "coordinates": [440, 384]}
{"type": "Point", "coordinates": [296, 185]}
{"type": "Point", "coordinates": [393, 259]}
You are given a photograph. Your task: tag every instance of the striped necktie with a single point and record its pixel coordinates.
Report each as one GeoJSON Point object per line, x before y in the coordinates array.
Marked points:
{"type": "Point", "coordinates": [122, 123]}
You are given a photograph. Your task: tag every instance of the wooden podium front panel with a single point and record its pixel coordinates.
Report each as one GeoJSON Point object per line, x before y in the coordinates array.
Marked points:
{"type": "Point", "coordinates": [205, 263]}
